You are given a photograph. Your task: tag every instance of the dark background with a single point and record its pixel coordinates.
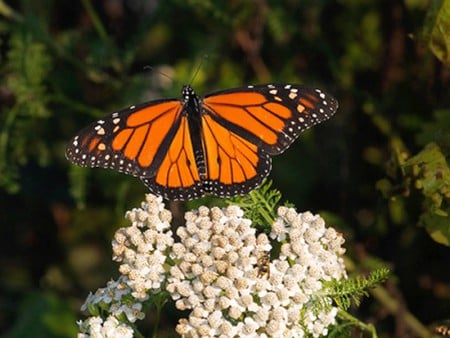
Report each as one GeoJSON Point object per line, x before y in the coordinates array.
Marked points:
{"type": "Point", "coordinates": [66, 63]}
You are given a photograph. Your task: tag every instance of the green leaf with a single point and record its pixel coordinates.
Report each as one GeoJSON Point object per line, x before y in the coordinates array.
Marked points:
{"type": "Point", "coordinates": [437, 29]}
{"type": "Point", "coordinates": [431, 173]}
{"type": "Point", "coordinates": [437, 130]}
{"type": "Point", "coordinates": [437, 226]}
{"type": "Point", "coordinates": [432, 170]}
{"type": "Point", "coordinates": [260, 205]}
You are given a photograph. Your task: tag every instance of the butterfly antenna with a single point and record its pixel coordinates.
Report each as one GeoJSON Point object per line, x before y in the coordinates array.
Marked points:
{"type": "Point", "coordinates": [200, 64]}
{"type": "Point", "coordinates": [158, 71]}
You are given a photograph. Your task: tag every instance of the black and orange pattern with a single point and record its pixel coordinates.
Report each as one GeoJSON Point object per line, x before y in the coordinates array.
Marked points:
{"type": "Point", "coordinates": [218, 144]}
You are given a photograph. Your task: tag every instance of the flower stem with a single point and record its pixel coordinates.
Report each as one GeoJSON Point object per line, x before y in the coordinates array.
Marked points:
{"type": "Point", "coordinates": [95, 19]}
{"type": "Point", "coordinates": [356, 322]}
{"type": "Point", "coordinates": [157, 319]}
{"type": "Point", "coordinates": [159, 304]}
{"type": "Point", "coordinates": [8, 12]}
{"type": "Point", "coordinates": [394, 307]}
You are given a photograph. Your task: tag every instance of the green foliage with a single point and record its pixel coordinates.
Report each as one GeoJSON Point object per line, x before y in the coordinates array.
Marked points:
{"type": "Point", "coordinates": [347, 324]}
{"type": "Point", "coordinates": [8, 12]}
{"type": "Point", "coordinates": [436, 130]}
{"type": "Point", "coordinates": [44, 315]}
{"type": "Point", "coordinates": [27, 67]}
{"type": "Point", "coordinates": [77, 179]}
{"type": "Point", "coordinates": [346, 292]}
{"type": "Point", "coordinates": [430, 174]}
{"type": "Point", "coordinates": [437, 28]}
{"type": "Point", "coordinates": [260, 205]}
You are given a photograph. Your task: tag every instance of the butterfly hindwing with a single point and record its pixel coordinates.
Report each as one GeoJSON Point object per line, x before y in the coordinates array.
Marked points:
{"type": "Point", "coordinates": [178, 175]}
{"type": "Point", "coordinates": [234, 164]}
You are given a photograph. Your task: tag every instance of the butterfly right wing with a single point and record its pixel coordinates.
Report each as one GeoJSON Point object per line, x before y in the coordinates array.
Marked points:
{"type": "Point", "coordinates": [131, 141]}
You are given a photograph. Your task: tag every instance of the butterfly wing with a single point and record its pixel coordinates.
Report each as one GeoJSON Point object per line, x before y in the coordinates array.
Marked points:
{"type": "Point", "coordinates": [132, 141]}
{"type": "Point", "coordinates": [242, 127]}
{"type": "Point", "coordinates": [271, 116]}
{"type": "Point", "coordinates": [178, 175]}
{"type": "Point", "coordinates": [234, 164]}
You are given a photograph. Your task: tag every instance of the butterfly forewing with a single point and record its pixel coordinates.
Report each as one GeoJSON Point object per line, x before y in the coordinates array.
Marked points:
{"type": "Point", "coordinates": [129, 140]}
{"type": "Point", "coordinates": [271, 116]}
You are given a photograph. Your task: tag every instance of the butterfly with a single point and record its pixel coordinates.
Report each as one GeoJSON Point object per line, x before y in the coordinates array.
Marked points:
{"type": "Point", "coordinates": [219, 144]}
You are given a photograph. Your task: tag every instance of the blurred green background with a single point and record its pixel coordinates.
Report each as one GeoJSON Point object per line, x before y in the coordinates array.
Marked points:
{"type": "Point", "coordinates": [378, 170]}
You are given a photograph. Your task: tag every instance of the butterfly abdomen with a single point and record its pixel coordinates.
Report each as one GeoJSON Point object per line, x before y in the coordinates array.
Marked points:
{"type": "Point", "coordinates": [192, 109]}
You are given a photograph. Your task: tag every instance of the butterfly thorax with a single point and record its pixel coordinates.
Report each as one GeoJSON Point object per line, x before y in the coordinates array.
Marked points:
{"type": "Point", "coordinates": [192, 108]}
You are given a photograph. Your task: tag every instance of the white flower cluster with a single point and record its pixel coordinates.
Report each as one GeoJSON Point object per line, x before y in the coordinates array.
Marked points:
{"type": "Point", "coordinates": [218, 276]}
{"type": "Point", "coordinates": [116, 296]}
{"type": "Point", "coordinates": [224, 273]}
{"type": "Point", "coordinates": [95, 327]}
{"type": "Point", "coordinates": [141, 248]}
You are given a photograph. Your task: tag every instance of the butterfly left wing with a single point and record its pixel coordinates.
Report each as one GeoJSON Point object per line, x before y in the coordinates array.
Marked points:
{"type": "Point", "coordinates": [131, 141]}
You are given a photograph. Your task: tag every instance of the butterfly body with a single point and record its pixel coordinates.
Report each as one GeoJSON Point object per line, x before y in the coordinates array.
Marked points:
{"type": "Point", "coordinates": [193, 111]}
{"type": "Point", "coordinates": [218, 144]}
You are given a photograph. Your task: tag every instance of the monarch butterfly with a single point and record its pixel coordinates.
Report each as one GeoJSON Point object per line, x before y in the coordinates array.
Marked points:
{"type": "Point", "coordinates": [218, 144]}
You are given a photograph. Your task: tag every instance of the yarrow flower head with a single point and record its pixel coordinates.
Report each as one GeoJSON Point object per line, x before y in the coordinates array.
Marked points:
{"type": "Point", "coordinates": [109, 328]}
{"type": "Point", "coordinates": [117, 296]}
{"type": "Point", "coordinates": [141, 248]}
{"type": "Point", "coordinates": [225, 273]}
{"type": "Point", "coordinates": [218, 276]}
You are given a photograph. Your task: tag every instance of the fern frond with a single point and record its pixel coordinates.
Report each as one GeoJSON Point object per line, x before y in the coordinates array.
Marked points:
{"type": "Point", "coordinates": [260, 205]}
{"type": "Point", "coordinates": [27, 67]}
{"type": "Point", "coordinates": [347, 291]}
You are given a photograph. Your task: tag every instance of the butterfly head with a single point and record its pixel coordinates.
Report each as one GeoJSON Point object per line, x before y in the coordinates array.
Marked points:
{"type": "Point", "coordinates": [187, 93]}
